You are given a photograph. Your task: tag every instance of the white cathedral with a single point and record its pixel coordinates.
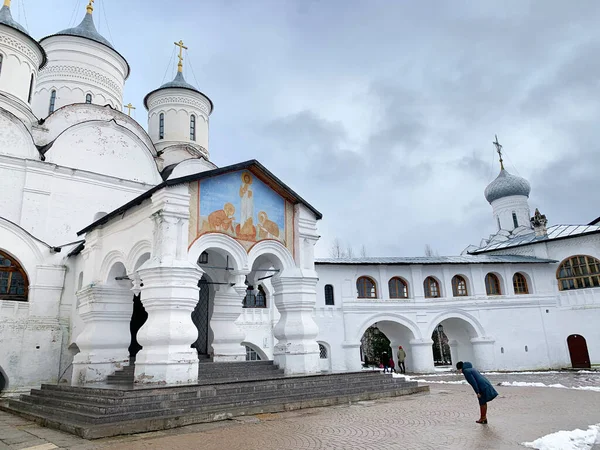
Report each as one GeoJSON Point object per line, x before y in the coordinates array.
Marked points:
{"type": "Point", "coordinates": [123, 246]}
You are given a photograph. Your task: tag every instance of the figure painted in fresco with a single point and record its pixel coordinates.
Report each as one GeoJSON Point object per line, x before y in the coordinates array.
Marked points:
{"type": "Point", "coordinates": [222, 220]}
{"type": "Point", "coordinates": [245, 229]}
{"type": "Point", "coordinates": [267, 229]}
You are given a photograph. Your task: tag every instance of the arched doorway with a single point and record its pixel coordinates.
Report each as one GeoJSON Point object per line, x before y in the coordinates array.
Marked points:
{"type": "Point", "coordinates": [580, 358]}
{"type": "Point", "coordinates": [201, 319]}
{"type": "Point", "coordinates": [453, 341]}
{"type": "Point", "coordinates": [381, 340]}
{"type": "Point", "coordinates": [442, 354]}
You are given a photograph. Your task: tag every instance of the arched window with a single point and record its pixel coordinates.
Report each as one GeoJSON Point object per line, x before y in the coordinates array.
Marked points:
{"type": "Point", "coordinates": [515, 221]}
{"type": "Point", "coordinates": [520, 283]}
{"type": "Point", "coordinates": [578, 272]}
{"type": "Point", "coordinates": [258, 300]}
{"type": "Point", "coordinates": [459, 286]}
{"type": "Point", "coordinates": [261, 298]}
{"type": "Point", "coordinates": [432, 288]}
{"type": "Point", "coordinates": [161, 126]}
{"type": "Point", "coordinates": [88, 98]}
{"type": "Point", "coordinates": [398, 288]}
{"type": "Point", "coordinates": [366, 288]}
{"type": "Point", "coordinates": [1, 59]}
{"type": "Point", "coordinates": [193, 128]}
{"type": "Point", "coordinates": [498, 220]}
{"type": "Point", "coordinates": [492, 284]}
{"type": "Point", "coordinates": [322, 351]}
{"type": "Point", "coordinates": [329, 300]}
{"type": "Point", "coordinates": [13, 280]}
{"type": "Point", "coordinates": [251, 354]}
{"type": "Point", "coordinates": [52, 102]}
{"type": "Point", "coordinates": [30, 89]}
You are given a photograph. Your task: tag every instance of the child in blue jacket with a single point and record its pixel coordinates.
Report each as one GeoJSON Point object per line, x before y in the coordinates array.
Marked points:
{"type": "Point", "coordinates": [480, 384]}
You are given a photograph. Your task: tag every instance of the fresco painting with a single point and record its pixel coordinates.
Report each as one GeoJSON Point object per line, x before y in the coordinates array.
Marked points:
{"type": "Point", "coordinates": [242, 206]}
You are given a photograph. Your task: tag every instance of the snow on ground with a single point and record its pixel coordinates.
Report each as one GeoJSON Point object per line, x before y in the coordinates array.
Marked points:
{"type": "Point", "coordinates": [567, 440]}
{"type": "Point", "coordinates": [557, 385]}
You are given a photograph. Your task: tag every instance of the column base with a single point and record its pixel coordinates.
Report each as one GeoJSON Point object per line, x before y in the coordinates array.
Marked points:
{"type": "Point", "coordinates": [183, 372]}
{"type": "Point", "coordinates": [85, 372]}
{"type": "Point", "coordinates": [297, 363]}
{"type": "Point", "coordinates": [420, 358]}
{"type": "Point", "coordinates": [352, 356]}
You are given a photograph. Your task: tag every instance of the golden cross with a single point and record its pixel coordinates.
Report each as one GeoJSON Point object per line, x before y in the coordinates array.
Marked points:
{"type": "Point", "coordinates": [499, 150]}
{"type": "Point", "coordinates": [7, 3]}
{"type": "Point", "coordinates": [181, 47]}
{"type": "Point", "coordinates": [90, 7]}
{"type": "Point", "coordinates": [129, 107]}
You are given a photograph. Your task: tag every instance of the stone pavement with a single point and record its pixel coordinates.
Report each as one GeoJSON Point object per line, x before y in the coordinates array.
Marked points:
{"type": "Point", "coordinates": [443, 419]}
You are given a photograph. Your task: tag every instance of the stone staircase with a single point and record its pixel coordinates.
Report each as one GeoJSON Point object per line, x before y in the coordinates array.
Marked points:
{"type": "Point", "coordinates": [94, 412]}
{"type": "Point", "coordinates": [211, 372]}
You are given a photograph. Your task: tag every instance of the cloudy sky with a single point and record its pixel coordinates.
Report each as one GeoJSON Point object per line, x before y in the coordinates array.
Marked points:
{"type": "Point", "coordinates": [380, 113]}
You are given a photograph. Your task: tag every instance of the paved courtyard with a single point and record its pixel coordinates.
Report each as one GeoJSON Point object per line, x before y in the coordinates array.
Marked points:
{"type": "Point", "coordinates": [443, 419]}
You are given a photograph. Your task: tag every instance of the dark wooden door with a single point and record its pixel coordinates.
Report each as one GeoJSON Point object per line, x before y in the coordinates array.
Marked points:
{"type": "Point", "coordinates": [580, 358]}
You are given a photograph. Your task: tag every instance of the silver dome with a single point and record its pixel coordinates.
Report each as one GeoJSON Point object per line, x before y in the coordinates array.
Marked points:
{"type": "Point", "coordinates": [178, 83]}
{"type": "Point", "coordinates": [506, 185]}
{"type": "Point", "coordinates": [86, 29]}
{"type": "Point", "coordinates": [6, 19]}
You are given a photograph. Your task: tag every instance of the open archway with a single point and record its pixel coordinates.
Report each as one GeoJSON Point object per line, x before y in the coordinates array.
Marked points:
{"type": "Point", "coordinates": [382, 339]}
{"type": "Point", "coordinates": [452, 336]}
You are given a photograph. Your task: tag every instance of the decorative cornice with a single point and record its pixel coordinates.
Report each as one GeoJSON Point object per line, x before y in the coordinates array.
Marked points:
{"type": "Point", "coordinates": [203, 106]}
{"type": "Point", "coordinates": [79, 73]}
{"type": "Point", "coordinates": [18, 46]}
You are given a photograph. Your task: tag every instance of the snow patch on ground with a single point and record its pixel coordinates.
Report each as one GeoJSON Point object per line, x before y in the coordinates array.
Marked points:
{"type": "Point", "coordinates": [567, 440]}
{"type": "Point", "coordinates": [559, 386]}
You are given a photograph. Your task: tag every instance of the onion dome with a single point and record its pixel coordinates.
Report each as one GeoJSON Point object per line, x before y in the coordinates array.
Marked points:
{"type": "Point", "coordinates": [86, 29]}
{"type": "Point", "coordinates": [506, 185]}
{"type": "Point", "coordinates": [6, 19]}
{"type": "Point", "coordinates": [178, 83]}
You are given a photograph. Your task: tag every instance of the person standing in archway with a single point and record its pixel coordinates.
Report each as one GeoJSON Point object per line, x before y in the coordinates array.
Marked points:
{"type": "Point", "coordinates": [401, 357]}
{"type": "Point", "coordinates": [481, 385]}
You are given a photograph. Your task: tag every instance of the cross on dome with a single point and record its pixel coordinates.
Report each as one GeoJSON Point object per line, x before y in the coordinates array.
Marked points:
{"type": "Point", "coordinates": [90, 7]}
{"type": "Point", "coordinates": [7, 3]}
{"type": "Point", "coordinates": [181, 47]}
{"type": "Point", "coordinates": [499, 150]}
{"type": "Point", "coordinates": [129, 107]}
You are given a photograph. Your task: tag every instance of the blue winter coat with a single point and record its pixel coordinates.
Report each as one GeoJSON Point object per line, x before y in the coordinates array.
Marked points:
{"type": "Point", "coordinates": [479, 383]}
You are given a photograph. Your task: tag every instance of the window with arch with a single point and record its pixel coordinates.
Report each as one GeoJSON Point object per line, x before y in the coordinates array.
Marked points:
{"type": "Point", "coordinates": [520, 284]}
{"type": "Point", "coordinates": [88, 98]}
{"type": "Point", "coordinates": [13, 280]}
{"type": "Point", "coordinates": [431, 287]}
{"type": "Point", "coordinates": [492, 284]}
{"type": "Point", "coordinates": [366, 288]}
{"type": "Point", "coordinates": [498, 220]}
{"type": "Point", "coordinates": [161, 126]}
{"type": "Point", "coordinates": [322, 351]}
{"type": "Point", "coordinates": [251, 354]}
{"type": "Point", "coordinates": [252, 300]}
{"type": "Point", "coordinates": [193, 128]}
{"type": "Point", "coordinates": [30, 89]}
{"type": "Point", "coordinates": [459, 286]}
{"type": "Point", "coordinates": [1, 59]}
{"type": "Point", "coordinates": [578, 272]}
{"type": "Point", "coordinates": [515, 220]}
{"type": "Point", "coordinates": [329, 299]}
{"type": "Point", "coordinates": [52, 102]}
{"type": "Point", "coordinates": [398, 288]}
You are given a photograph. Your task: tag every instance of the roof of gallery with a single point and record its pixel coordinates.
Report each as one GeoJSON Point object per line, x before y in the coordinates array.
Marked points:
{"type": "Point", "coordinates": [428, 260]}
{"type": "Point", "coordinates": [252, 165]}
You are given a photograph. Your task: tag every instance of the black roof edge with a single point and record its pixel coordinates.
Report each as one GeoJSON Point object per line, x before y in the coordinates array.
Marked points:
{"type": "Point", "coordinates": [437, 263]}
{"type": "Point", "coordinates": [77, 250]}
{"type": "Point", "coordinates": [199, 176]}
{"type": "Point", "coordinates": [596, 221]}
{"type": "Point", "coordinates": [38, 45]}
{"type": "Point", "coordinates": [560, 238]}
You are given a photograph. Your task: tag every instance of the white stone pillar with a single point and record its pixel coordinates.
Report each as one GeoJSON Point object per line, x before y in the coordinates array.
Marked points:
{"type": "Point", "coordinates": [421, 356]}
{"type": "Point", "coordinates": [352, 356]}
{"type": "Point", "coordinates": [227, 336]}
{"type": "Point", "coordinates": [483, 353]}
{"type": "Point", "coordinates": [297, 351]}
{"type": "Point", "coordinates": [453, 352]}
{"type": "Point", "coordinates": [104, 341]}
{"type": "Point", "coordinates": [169, 294]}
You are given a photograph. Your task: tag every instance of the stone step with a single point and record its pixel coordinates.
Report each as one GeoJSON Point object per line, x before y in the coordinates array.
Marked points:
{"type": "Point", "coordinates": [78, 412]}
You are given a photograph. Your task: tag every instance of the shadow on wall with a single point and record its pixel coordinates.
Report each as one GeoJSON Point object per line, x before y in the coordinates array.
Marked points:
{"type": "Point", "coordinates": [3, 381]}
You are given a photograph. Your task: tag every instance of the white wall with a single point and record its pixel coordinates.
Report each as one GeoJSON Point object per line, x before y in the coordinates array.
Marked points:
{"type": "Point", "coordinates": [504, 207]}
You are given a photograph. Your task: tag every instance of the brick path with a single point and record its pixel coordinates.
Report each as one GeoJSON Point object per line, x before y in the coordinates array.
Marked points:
{"type": "Point", "coordinates": [444, 419]}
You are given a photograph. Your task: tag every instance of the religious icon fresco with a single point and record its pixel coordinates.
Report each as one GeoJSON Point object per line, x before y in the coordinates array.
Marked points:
{"type": "Point", "coordinates": [242, 206]}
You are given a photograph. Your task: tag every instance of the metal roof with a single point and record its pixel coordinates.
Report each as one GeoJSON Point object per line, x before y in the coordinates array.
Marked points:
{"type": "Point", "coordinates": [555, 232]}
{"type": "Point", "coordinates": [252, 165]}
{"type": "Point", "coordinates": [465, 259]}
{"type": "Point", "coordinates": [178, 83]}
{"type": "Point", "coordinates": [505, 185]}
{"type": "Point", "coordinates": [7, 19]}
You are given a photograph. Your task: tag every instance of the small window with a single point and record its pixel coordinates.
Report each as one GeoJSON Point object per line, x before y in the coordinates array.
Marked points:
{"type": "Point", "coordinates": [515, 221]}
{"type": "Point", "coordinates": [329, 300]}
{"type": "Point", "coordinates": [88, 98]}
{"type": "Point", "coordinates": [492, 284]}
{"type": "Point", "coordinates": [398, 288]}
{"type": "Point", "coordinates": [579, 272]}
{"type": "Point", "coordinates": [322, 351]}
{"type": "Point", "coordinates": [459, 286]}
{"type": "Point", "coordinates": [432, 288]}
{"type": "Point", "coordinates": [30, 89]}
{"type": "Point", "coordinates": [258, 300]}
{"type": "Point", "coordinates": [1, 59]}
{"type": "Point", "coordinates": [366, 288]}
{"type": "Point", "coordinates": [193, 128]}
{"type": "Point", "coordinates": [251, 354]}
{"type": "Point", "coordinates": [13, 280]}
{"type": "Point", "coordinates": [52, 102]}
{"type": "Point", "coordinates": [161, 126]}
{"type": "Point", "coordinates": [498, 220]}
{"type": "Point", "coordinates": [520, 284]}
